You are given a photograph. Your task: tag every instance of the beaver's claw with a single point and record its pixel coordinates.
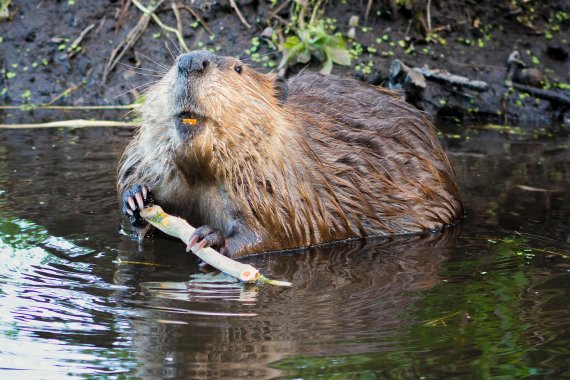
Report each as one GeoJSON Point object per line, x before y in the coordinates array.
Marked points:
{"type": "Point", "coordinates": [135, 199]}
{"type": "Point", "coordinates": [206, 236]}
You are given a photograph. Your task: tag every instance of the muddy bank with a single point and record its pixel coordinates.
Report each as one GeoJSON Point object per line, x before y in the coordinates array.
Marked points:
{"type": "Point", "coordinates": [41, 61]}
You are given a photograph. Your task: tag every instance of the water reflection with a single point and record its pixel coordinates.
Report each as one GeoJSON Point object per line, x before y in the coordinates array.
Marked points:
{"type": "Point", "coordinates": [345, 300]}
{"type": "Point", "coordinates": [487, 299]}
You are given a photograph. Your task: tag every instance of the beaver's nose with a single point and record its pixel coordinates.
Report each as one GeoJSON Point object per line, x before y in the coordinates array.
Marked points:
{"type": "Point", "coordinates": [195, 61]}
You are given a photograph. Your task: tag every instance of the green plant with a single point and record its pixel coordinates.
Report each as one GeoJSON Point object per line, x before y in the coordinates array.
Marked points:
{"type": "Point", "coordinates": [313, 40]}
{"type": "Point", "coordinates": [4, 9]}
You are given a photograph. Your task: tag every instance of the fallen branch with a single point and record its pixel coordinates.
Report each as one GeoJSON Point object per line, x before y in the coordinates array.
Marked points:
{"type": "Point", "coordinates": [402, 77]}
{"type": "Point", "coordinates": [78, 123]}
{"type": "Point", "coordinates": [456, 80]}
{"type": "Point", "coordinates": [514, 67]}
{"type": "Point", "coordinates": [179, 228]}
{"type": "Point", "coordinates": [549, 95]}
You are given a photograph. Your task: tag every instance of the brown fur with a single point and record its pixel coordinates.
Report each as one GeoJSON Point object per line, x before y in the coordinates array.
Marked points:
{"type": "Point", "coordinates": [339, 159]}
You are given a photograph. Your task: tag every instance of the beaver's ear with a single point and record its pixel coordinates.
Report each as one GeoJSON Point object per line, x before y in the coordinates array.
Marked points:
{"type": "Point", "coordinates": [281, 90]}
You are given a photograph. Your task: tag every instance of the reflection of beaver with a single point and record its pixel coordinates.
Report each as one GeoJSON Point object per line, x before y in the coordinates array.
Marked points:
{"type": "Point", "coordinates": [263, 166]}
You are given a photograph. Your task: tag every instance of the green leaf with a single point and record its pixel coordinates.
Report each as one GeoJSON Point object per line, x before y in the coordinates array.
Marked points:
{"type": "Point", "coordinates": [337, 42]}
{"type": "Point", "coordinates": [290, 42]}
{"type": "Point", "coordinates": [304, 56]}
{"type": "Point", "coordinates": [327, 67]}
{"type": "Point", "coordinates": [319, 40]}
{"type": "Point", "coordinates": [295, 50]}
{"type": "Point", "coordinates": [317, 36]}
{"type": "Point", "coordinates": [338, 56]}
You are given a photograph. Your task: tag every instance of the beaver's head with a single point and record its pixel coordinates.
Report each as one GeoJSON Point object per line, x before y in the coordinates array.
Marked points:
{"type": "Point", "coordinates": [208, 109]}
{"type": "Point", "coordinates": [204, 93]}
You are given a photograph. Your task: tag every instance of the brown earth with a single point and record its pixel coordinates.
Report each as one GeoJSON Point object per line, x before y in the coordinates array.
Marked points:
{"type": "Point", "coordinates": [473, 39]}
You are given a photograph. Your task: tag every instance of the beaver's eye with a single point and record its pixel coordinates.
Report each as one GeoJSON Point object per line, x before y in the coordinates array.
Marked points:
{"type": "Point", "coordinates": [238, 69]}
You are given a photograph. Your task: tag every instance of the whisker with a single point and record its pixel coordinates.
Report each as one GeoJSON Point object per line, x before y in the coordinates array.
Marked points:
{"type": "Point", "coordinates": [303, 69]}
{"type": "Point", "coordinates": [173, 42]}
{"type": "Point", "coordinates": [153, 61]}
{"type": "Point", "coordinates": [146, 74]}
{"type": "Point", "coordinates": [128, 113]}
{"type": "Point", "coordinates": [137, 87]}
{"type": "Point", "coordinates": [150, 71]}
{"type": "Point", "coordinates": [169, 50]}
{"type": "Point", "coordinates": [195, 155]}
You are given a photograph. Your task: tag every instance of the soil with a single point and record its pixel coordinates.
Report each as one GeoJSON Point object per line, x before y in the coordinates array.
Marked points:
{"type": "Point", "coordinates": [474, 39]}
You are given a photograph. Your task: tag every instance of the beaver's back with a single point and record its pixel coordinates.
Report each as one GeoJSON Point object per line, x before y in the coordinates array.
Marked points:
{"type": "Point", "coordinates": [379, 154]}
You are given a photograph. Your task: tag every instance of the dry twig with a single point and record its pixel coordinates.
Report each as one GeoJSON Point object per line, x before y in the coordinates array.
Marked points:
{"type": "Point", "coordinates": [179, 228]}
{"type": "Point", "coordinates": [78, 123]}
{"type": "Point", "coordinates": [242, 19]}
{"type": "Point", "coordinates": [428, 16]}
{"type": "Point", "coordinates": [196, 16]}
{"type": "Point", "coordinates": [73, 108]}
{"type": "Point", "coordinates": [78, 40]}
{"type": "Point", "coordinates": [162, 25]}
{"type": "Point", "coordinates": [67, 92]}
{"type": "Point", "coordinates": [179, 25]}
{"type": "Point", "coordinates": [129, 42]}
{"type": "Point", "coordinates": [368, 9]}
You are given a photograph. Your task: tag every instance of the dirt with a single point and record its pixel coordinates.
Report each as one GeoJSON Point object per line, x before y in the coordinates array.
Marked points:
{"type": "Point", "coordinates": [474, 39]}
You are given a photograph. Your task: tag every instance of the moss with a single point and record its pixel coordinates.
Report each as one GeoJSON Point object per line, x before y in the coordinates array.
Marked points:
{"type": "Point", "coordinates": [26, 95]}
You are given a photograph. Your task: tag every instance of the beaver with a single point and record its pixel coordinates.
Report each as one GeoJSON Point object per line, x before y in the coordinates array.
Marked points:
{"type": "Point", "coordinates": [264, 164]}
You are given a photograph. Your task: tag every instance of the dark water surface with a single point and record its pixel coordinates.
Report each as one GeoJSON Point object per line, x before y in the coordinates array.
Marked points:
{"type": "Point", "coordinates": [488, 299]}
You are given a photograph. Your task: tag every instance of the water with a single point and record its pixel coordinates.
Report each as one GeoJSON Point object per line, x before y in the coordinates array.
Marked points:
{"type": "Point", "coordinates": [487, 299]}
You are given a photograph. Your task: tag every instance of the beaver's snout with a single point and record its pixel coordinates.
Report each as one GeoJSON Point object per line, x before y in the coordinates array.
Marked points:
{"type": "Point", "coordinates": [194, 62]}
{"type": "Point", "coordinates": [190, 68]}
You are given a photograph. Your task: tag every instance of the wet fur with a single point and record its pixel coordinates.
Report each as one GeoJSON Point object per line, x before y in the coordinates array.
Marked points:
{"type": "Point", "coordinates": [339, 159]}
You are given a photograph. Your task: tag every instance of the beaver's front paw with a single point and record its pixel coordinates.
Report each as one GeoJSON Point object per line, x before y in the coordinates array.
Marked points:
{"type": "Point", "coordinates": [207, 236]}
{"type": "Point", "coordinates": [135, 199]}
